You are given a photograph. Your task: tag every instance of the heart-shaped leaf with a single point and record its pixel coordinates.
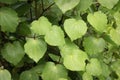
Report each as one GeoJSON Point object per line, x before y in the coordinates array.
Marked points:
{"type": "Point", "coordinates": [55, 36]}
{"type": "Point", "coordinates": [84, 5]}
{"type": "Point", "coordinates": [13, 52]}
{"type": "Point", "coordinates": [93, 45]}
{"type": "Point", "coordinates": [35, 49]}
{"type": "Point", "coordinates": [5, 75]}
{"type": "Point", "coordinates": [87, 76]}
{"type": "Point", "coordinates": [41, 26]}
{"type": "Point", "coordinates": [108, 3]}
{"type": "Point", "coordinates": [94, 67]}
{"type": "Point", "coordinates": [54, 72]}
{"type": "Point", "coordinates": [67, 47]}
{"type": "Point", "coordinates": [28, 75]}
{"type": "Point", "coordinates": [8, 19]}
{"type": "Point", "coordinates": [98, 20]}
{"type": "Point", "coordinates": [117, 19]}
{"type": "Point", "coordinates": [115, 35]}
{"type": "Point", "coordinates": [75, 60]}
{"type": "Point", "coordinates": [66, 5]}
{"type": "Point", "coordinates": [75, 28]}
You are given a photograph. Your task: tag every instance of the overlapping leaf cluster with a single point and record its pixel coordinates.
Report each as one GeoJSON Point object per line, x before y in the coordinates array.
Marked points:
{"type": "Point", "coordinates": [59, 39]}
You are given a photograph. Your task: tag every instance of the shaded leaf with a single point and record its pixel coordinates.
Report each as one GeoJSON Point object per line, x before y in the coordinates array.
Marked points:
{"type": "Point", "coordinates": [8, 19]}
{"type": "Point", "coordinates": [66, 5]}
{"type": "Point", "coordinates": [28, 75]}
{"type": "Point", "coordinates": [54, 72]}
{"type": "Point", "coordinates": [93, 45]}
{"type": "Point", "coordinates": [94, 67]}
{"type": "Point", "coordinates": [13, 52]}
{"type": "Point", "coordinates": [108, 3]}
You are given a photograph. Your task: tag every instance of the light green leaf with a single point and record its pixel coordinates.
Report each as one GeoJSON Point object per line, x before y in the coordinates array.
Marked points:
{"type": "Point", "coordinates": [117, 19]}
{"type": "Point", "coordinates": [94, 67]}
{"type": "Point", "coordinates": [66, 5]}
{"type": "Point", "coordinates": [75, 60]}
{"type": "Point", "coordinates": [8, 1]}
{"type": "Point", "coordinates": [55, 37]}
{"type": "Point", "coordinates": [87, 76]}
{"type": "Point", "coordinates": [98, 20]}
{"type": "Point", "coordinates": [41, 26]}
{"type": "Point", "coordinates": [105, 69]}
{"type": "Point", "coordinates": [28, 75]}
{"type": "Point", "coordinates": [93, 45]}
{"type": "Point", "coordinates": [54, 57]}
{"type": "Point", "coordinates": [8, 19]}
{"type": "Point", "coordinates": [115, 35]}
{"type": "Point", "coordinates": [108, 3]}
{"type": "Point", "coordinates": [84, 5]}
{"type": "Point", "coordinates": [5, 75]}
{"type": "Point", "coordinates": [13, 52]}
{"type": "Point", "coordinates": [116, 67]}
{"type": "Point", "coordinates": [62, 79]}
{"type": "Point", "coordinates": [35, 49]}
{"type": "Point", "coordinates": [54, 72]}
{"type": "Point", "coordinates": [67, 47]}
{"type": "Point", "coordinates": [75, 28]}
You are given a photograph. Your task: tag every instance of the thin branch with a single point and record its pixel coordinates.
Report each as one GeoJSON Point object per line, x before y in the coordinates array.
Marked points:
{"type": "Point", "coordinates": [47, 8]}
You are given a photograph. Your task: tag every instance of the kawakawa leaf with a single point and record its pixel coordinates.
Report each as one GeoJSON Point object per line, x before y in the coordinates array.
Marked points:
{"type": "Point", "coordinates": [66, 5]}
{"type": "Point", "coordinates": [75, 60]}
{"type": "Point", "coordinates": [75, 28]}
{"type": "Point", "coordinates": [55, 36]}
{"type": "Point", "coordinates": [8, 19]}
{"type": "Point", "coordinates": [13, 52]}
{"type": "Point", "coordinates": [98, 20]}
{"type": "Point", "coordinates": [35, 48]}
{"type": "Point", "coordinates": [5, 74]}
{"type": "Point", "coordinates": [41, 26]}
{"type": "Point", "coordinates": [54, 72]}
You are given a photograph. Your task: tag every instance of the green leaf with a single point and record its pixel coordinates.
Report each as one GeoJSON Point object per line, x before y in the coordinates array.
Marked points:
{"type": "Point", "coordinates": [84, 5]}
{"type": "Point", "coordinates": [108, 3]}
{"type": "Point", "coordinates": [8, 1]}
{"type": "Point", "coordinates": [116, 67]}
{"type": "Point", "coordinates": [41, 26]}
{"type": "Point", "coordinates": [13, 52]}
{"type": "Point", "coordinates": [66, 5]}
{"type": "Point", "coordinates": [75, 28]}
{"type": "Point", "coordinates": [115, 35]}
{"type": "Point", "coordinates": [28, 75]}
{"type": "Point", "coordinates": [54, 57]}
{"type": "Point", "coordinates": [105, 69]}
{"type": "Point", "coordinates": [55, 36]}
{"type": "Point", "coordinates": [67, 47]}
{"type": "Point", "coordinates": [54, 72]}
{"type": "Point", "coordinates": [93, 45]}
{"type": "Point", "coordinates": [75, 60]}
{"type": "Point", "coordinates": [98, 20]}
{"type": "Point", "coordinates": [117, 19]}
{"type": "Point", "coordinates": [5, 75]}
{"type": "Point", "coordinates": [35, 49]}
{"type": "Point", "coordinates": [94, 67]}
{"type": "Point", "coordinates": [87, 76]}
{"type": "Point", "coordinates": [8, 19]}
